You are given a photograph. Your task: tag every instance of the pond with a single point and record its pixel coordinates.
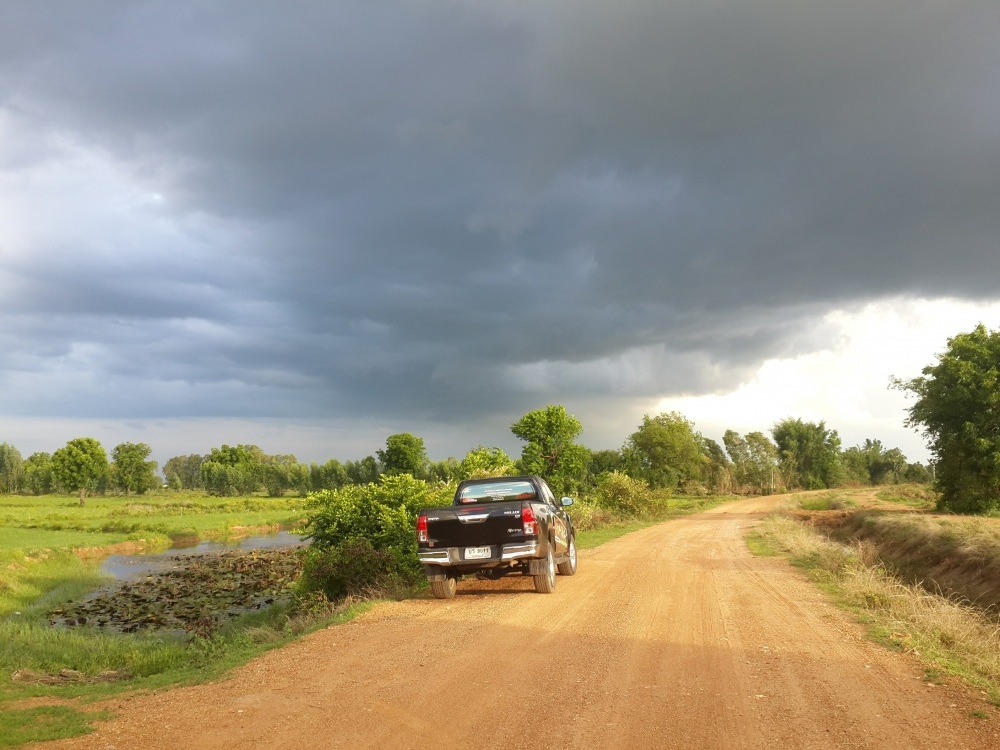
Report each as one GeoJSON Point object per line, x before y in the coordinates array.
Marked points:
{"type": "Point", "coordinates": [193, 589]}
{"type": "Point", "coordinates": [131, 567]}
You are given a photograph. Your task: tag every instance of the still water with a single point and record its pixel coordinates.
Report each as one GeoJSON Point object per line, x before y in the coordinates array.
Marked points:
{"type": "Point", "coordinates": [129, 567]}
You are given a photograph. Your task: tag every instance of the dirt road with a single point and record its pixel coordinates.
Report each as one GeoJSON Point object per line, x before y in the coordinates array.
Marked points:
{"type": "Point", "coordinates": [672, 637]}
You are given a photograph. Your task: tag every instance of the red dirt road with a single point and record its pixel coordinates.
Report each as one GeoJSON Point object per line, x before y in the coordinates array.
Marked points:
{"type": "Point", "coordinates": [672, 637]}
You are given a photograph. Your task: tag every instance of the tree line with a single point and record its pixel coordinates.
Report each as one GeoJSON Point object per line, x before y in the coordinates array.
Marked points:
{"type": "Point", "coordinates": [957, 408]}
{"type": "Point", "coordinates": [665, 452]}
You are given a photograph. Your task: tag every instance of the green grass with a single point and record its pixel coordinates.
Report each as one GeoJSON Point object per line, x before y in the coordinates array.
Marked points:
{"type": "Point", "coordinates": [829, 501]}
{"type": "Point", "coordinates": [32, 581]}
{"type": "Point", "coordinates": [596, 537]}
{"type": "Point", "coordinates": [761, 546]}
{"type": "Point", "coordinates": [918, 496]}
{"type": "Point", "coordinates": [18, 727]}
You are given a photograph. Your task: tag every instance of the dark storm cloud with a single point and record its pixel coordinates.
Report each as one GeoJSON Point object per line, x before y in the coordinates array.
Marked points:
{"type": "Point", "coordinates": [436, 208]}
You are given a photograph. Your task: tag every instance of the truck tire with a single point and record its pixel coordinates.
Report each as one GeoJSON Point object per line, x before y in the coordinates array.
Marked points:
{"type": "Point", "coordinates": [568, 568]}
{"type": "Point", "coordinates": [545, 583]}
{"type": "Point", "coordinates": [445, 589]}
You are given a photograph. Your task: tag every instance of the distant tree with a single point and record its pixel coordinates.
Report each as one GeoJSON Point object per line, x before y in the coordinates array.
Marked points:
{"type": "Point", "coordinates": [957, 409]}
{"type": "Point", "coordinates": [38, 479]}
{"type": "Point", "coordinates": [130, 471]}
{"type": "Point", "coordinates": [483, 461]}
{"type": "Point", "coordinates": [606, 460]}
{"type": "Point", "coordinates": [11, 468]}
{"type": "Point", "coordinates": [754, 459]}
{"type": "Point", "coordinates": [718, 467]}
{"type": "Point", "coordinates": [809, 454]}
{"type": "Point", "coordinates": [185, 469]}
{"type": "Point", "coordinates": [918, 473]}
{"type": "Point", "coordinates": [364, 471]}
{"type": "Point", "coordinates": [885, 466]}
{"type": "Point", "coordinates": [233, 470]}
{"type": "Point", "coordinates": [665, 451]}
{"type": "Point", "coordinates": [330, 476]}
{"type": "Point", "coordinates": [404, 454]}
{"type": "Point", "coordinates": [445, 471]}
{"type": "Point", "coordinates": [551, 450]}
{"type": "Point", "coordinates": [284, 473]}
{"type": "Point", "coordinates": [80, 465]}
{"type": "Point", "coordinates": [855, 465]}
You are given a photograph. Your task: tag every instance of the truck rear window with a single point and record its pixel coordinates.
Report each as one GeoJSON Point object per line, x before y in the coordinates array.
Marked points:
{"type": "Point", "coordinates": [496, 492]}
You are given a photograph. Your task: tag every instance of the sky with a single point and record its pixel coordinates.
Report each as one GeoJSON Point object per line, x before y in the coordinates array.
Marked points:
{"type": "Point", "coordinates": [310, 225]}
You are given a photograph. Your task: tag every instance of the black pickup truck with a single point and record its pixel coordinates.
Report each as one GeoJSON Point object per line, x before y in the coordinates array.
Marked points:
{"type": "Point", "coordinates": [496, 527]}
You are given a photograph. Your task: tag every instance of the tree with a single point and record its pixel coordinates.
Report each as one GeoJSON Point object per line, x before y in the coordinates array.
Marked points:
{"type": "Point", "coordinates": [404, 454]}
{"type": "Point", "coordinates": [446, 470]}
{"type": "Point", "coordinates": [809, 454]}
{"type": "Point", "coordinates": [11, 468]}
{"type": "Point", "coordinates": [718, 467]}
{"type": "Point", "coordinates": [364, 471]}
{"type": "Point", "coordinates": [80, 465]}
{"type": "Point", "coordinates": [283, 473]}
{"type": "Point", "coordinates": [38, 479]}
{"type": "Point", "coordinates": [551, 451]}
{"type": "Point", "coordinates": [958, 411]}
{"type": "Point", "coordinates": [233, 470]}
{"type": "Point", "coordinates": [483, 461]}
{"type": "Point", "coordinates": [754, 461]}
{"type": "Point", "coordinates": [665, 451]}
{"type": "Point", "coordinates": [330, 476]}
{"type": "Point", "coordinates": [130, 471]}
{"type": "Point", "coordinates": [183, 471]}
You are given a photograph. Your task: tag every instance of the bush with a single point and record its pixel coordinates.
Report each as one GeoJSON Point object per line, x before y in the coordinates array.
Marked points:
{"type": "Point", "coordinates": [621, 494]}
{"type": "Point", "coordinates": [364, 536]}
{"type": "Point", "coordinates": [587, 515]}
{"type": "Point", "coordinates": [355, 568]}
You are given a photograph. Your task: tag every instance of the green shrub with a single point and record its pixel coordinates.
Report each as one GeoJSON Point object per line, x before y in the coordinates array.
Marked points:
{"type": "Point", "coordinates": [364, 536]}
{"type": "Point", "coordinates": [354, 568]}
{"type": "Point", "coordinates": [621, 494]}
{"type": "Point", "coordinates": [587, 515]}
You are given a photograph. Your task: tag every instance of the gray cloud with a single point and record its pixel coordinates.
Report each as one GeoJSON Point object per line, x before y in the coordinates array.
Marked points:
{"type": "Point", "coordinates": [454, 210]}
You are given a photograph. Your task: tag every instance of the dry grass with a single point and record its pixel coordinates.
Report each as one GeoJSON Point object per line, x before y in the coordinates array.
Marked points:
{"type": "Point", "coordinates": [951, 635]}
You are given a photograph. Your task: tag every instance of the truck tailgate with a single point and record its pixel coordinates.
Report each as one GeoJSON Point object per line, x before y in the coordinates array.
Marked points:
{"type": "Point", "coordinates": [477, 525]}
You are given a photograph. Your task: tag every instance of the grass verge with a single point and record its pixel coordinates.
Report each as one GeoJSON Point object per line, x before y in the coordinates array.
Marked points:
{"type": "Point", "coordinates": [949, 636]}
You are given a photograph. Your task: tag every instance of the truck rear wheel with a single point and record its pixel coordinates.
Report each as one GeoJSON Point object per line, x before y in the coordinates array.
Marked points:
{"type": "Point", "coordinates": [445, 589]}
{"type": "Point", "coordinates": [545, 583]}
{"type": "Point", "coordinates": [568, 568]}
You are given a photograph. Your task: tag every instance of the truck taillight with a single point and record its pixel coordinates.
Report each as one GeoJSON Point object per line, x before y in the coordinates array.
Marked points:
{"type": "Point", "coordinates": [422, 528]}
{"type": "Point", "coordinates": [528, 519]}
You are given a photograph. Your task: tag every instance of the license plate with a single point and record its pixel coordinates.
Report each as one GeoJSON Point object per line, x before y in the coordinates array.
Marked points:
{"type": "Point", "coordinates": [478, 553]}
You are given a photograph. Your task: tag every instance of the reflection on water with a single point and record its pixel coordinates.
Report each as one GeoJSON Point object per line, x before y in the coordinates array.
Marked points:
{"type": "Point", "coordinates": [125, 567]}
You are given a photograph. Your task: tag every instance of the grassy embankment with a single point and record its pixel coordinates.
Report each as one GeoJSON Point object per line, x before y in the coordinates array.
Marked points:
{"type": "Point", "coordinates": [922, 582]}
{"type": "Point", "coordinates": [50, 550]}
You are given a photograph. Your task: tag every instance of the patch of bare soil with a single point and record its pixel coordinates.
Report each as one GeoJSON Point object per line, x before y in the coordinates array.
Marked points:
{"type": "Point", "coordinates": [671, 637]}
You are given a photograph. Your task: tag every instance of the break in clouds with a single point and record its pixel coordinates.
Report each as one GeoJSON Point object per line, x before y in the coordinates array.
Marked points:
{"type": "Point", "coordinates": [449, 210]}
